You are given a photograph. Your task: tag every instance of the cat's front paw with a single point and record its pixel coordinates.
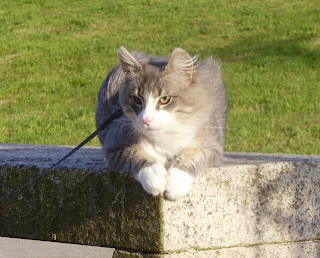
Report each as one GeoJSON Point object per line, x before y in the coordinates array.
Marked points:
{"type": "Point", "coordinates": [179, 184]}
{"type": "Point", "coordinates": [153, 179]}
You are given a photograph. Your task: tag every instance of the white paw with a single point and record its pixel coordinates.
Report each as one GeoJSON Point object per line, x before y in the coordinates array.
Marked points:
{"type": "Point", "coordinates": [153, 179]}
{"type": "Point", "coordinates": [179, 184]}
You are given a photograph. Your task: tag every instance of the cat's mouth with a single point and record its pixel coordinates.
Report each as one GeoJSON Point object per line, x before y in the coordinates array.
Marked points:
{"type": "Point", "coordinates": [146, 129]}
{"type": "Point", "coordinates": [150, 128]}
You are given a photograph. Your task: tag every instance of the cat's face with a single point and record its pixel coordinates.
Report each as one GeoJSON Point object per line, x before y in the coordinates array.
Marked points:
{"type": "Point", "coordinates": [158, 100]}
{"type": "Point", "coordinates": [149, 99]}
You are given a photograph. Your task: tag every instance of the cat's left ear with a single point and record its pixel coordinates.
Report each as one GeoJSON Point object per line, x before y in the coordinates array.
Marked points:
{"type": "Point", "coordinates": [128, 63]}
{"type": "Point", "coordinates": [181, 62]}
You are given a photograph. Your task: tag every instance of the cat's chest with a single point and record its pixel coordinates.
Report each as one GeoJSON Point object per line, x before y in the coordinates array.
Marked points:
{"type": "Point", "coordinates": [167, 145]}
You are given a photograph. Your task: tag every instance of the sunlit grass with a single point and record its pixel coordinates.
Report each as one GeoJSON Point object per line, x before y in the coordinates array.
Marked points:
{"type": "Point", "coordinates": [54, 56]}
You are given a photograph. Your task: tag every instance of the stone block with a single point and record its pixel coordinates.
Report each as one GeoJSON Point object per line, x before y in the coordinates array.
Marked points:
{"type": "Point", "coordinates": [310, 249]}
{"type": "Point", "coordinates": [253, 203]}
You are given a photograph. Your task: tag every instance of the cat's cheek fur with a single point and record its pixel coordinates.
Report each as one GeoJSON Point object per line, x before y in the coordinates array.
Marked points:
{"type": "Point", "coordinates": [163, 119]}
{"type": "Point", "coordinates": [153, 179]}
{"type": "Point", "coordinates": [179, 184]}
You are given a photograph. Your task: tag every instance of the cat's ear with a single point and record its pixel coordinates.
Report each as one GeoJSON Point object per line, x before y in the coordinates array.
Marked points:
{"type": "Point", "coordinates": [181, 62]}
{"type": "Point", "coordinates": [128, 63]}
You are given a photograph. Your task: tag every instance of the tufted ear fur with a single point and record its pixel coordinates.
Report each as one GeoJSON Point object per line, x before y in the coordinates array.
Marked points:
{"type": "Point", "coordinates": [128, 63]}
{"type": "Point", "coordinates": [181, 62]}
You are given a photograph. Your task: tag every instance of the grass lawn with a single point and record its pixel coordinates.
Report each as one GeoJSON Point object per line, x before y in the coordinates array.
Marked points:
{"type": "Point", "coordinates": [55, 54]}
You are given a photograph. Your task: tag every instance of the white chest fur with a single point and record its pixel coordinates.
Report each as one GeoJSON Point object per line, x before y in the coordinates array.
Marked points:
{"type": "Point", "coordinates": [165, 145]}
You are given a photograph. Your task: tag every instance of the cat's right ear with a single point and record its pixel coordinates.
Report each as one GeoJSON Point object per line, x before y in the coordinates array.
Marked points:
{"type": "Point", "coordinates": [128, 63]}
{"type": "Point", "coordinates": [181, 62]}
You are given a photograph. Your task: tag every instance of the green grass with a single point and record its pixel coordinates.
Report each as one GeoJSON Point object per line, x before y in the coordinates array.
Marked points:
{"type": "Point", "coordinates": [55, 54]}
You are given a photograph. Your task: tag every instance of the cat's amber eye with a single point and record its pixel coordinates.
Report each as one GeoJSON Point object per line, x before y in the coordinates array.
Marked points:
{"type": "Point", "coordinates": [165, 100]}
{"type": "Point", "coordinates": [137, 100]}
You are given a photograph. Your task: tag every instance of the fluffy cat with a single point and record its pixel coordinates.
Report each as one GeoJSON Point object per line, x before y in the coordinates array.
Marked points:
{"type": "Point", "coordinates": [174, 119]}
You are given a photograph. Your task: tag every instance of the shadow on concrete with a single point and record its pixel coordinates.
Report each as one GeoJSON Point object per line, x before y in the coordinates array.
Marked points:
{"type": "Point", "coordinates": [288, 206]}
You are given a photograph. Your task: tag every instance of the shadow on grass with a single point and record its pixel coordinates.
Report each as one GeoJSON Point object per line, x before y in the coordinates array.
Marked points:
{"type": "Point", "coordinates": [256, 49]}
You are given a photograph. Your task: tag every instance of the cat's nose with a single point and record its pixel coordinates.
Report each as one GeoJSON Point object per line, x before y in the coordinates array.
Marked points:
{"type": "Point", "coordinates": [146, 120]}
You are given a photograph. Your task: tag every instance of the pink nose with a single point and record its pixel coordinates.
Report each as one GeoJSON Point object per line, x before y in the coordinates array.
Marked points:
{"type": "Point", "coordinates": [146, 120]}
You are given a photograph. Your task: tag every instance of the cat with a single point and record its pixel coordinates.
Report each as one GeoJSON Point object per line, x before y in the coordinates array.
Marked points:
{"type": "Point", "coordinates": [174, 120]}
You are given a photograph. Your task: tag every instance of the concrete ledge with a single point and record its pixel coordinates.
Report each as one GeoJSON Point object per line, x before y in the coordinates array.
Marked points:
{"type": "Point", "coordinates": [292, 250]}
{"type": "Point", "coordinates": [253, 203]}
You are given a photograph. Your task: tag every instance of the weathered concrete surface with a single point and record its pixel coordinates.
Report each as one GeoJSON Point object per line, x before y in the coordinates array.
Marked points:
{"type": "Point", "coordinates": [252, 200]}
{"type": "Point", "coordinates": [246, 205]}
{"type": "Point", "coordinates": [24, 248]}
{"type": "Point", "coordinates": [76, 203]}
{"type": "Point", "coordinates": [309, 249]}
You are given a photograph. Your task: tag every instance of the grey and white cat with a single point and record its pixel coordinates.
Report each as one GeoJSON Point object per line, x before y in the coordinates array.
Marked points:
{"type": "Point", "coordinates": [174, 119]}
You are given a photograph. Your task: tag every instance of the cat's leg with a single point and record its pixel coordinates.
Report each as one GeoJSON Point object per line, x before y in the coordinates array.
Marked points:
{"type": "Point", "coordinates": [186, 167]}
{"type": "Point", "coordinates": [145, 168]}
{"type": "Point", "coordinates": [153, 178]}
{"type": "Point", "coordinates": [179, 183]}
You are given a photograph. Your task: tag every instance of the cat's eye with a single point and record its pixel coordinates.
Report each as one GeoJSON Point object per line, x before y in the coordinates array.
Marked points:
{"type": "Point", "coordinates": [164, 100]}
{"type": "Point", "coordinates": [137, 100]}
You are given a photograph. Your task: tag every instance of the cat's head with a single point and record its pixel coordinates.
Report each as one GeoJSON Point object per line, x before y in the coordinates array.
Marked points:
{"type": "Point", "coordinates": [159, 96]}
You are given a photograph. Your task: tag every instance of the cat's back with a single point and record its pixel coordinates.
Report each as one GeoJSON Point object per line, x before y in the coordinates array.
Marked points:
{"type": "Point", "coordinates": [211, 74]}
